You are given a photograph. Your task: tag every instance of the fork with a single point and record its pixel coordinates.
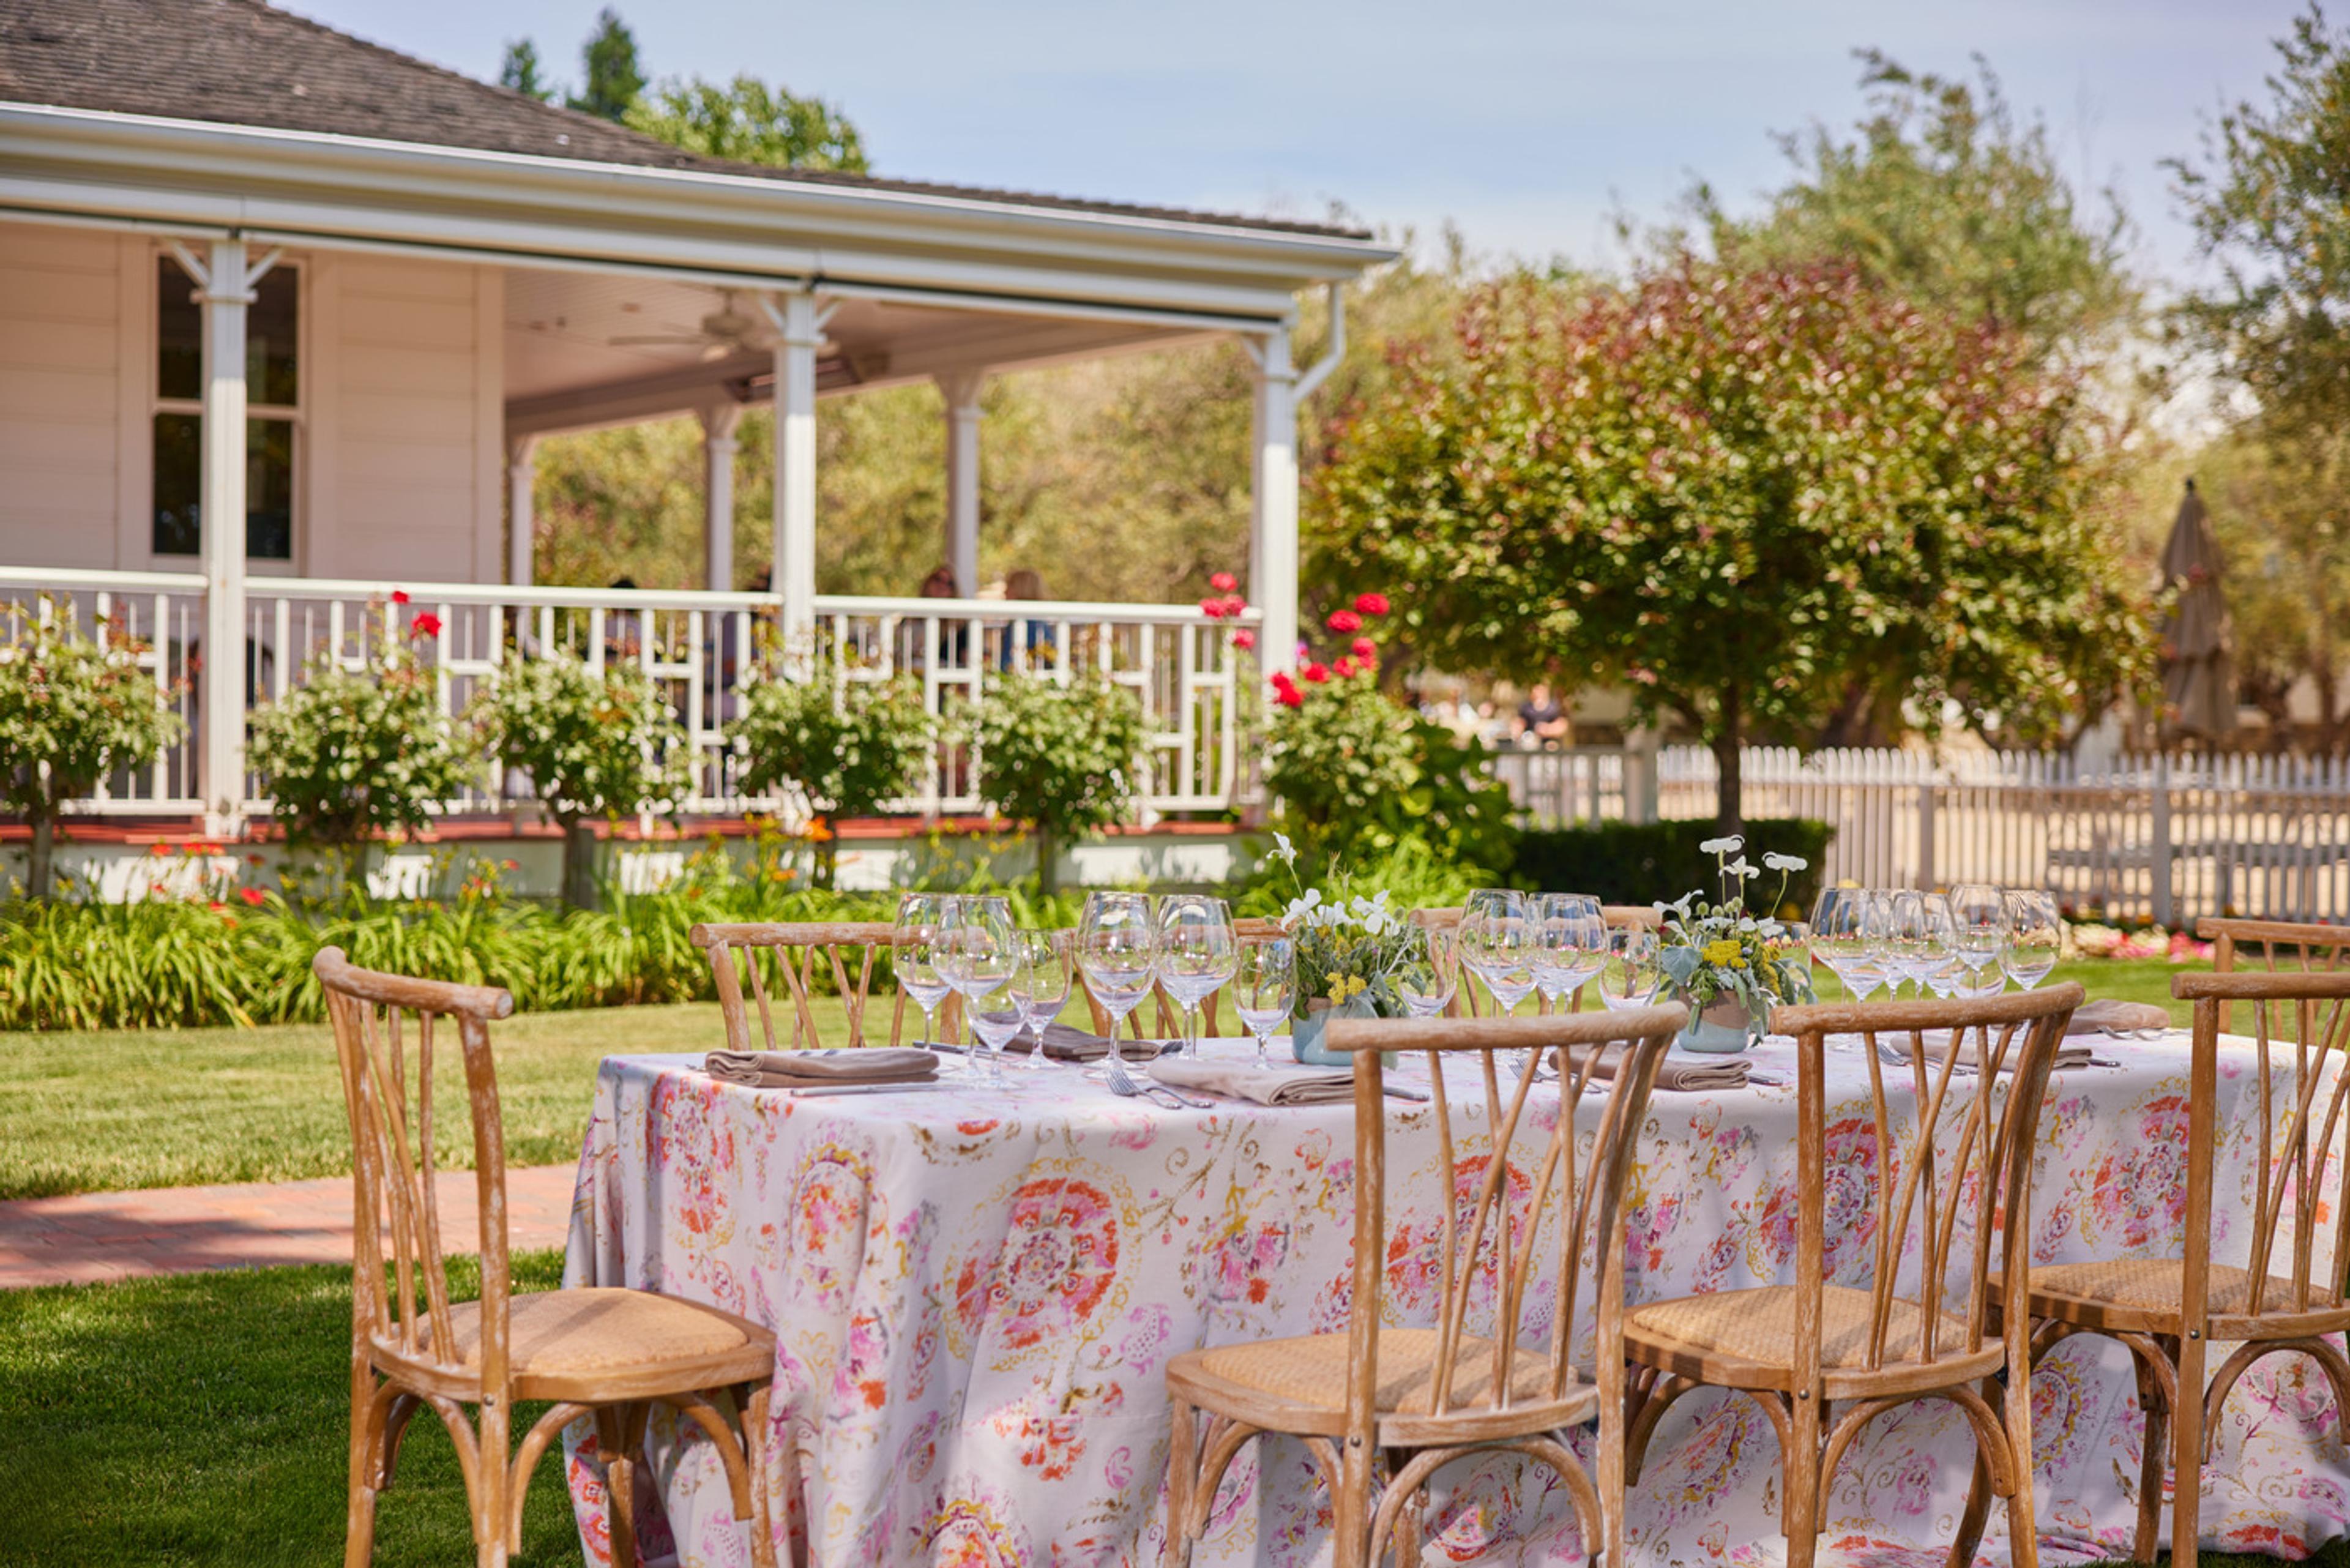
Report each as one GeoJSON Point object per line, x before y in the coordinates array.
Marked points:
{"type": "Point", "coordinates": [1894, 1056]}
{"type": "Point", "coordinates": [1122, 1082]}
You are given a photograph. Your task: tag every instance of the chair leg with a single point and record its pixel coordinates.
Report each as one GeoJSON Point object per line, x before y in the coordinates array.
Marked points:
{"type": "Point", "coordinates": [2023, 1518]}
{"type": "Point", "coordinates": [2151, 1464]}
{"type": "Point", "coordinates": [1799, 1506]}
{"type": "Point", "coordinates": [1182, 1475]}
{"type": "Point", "coordinates": [755, 1453]}
{"type": "Point", "coordinates": [2186, 1455]}
{"type": "Point", "coordinates": [359, 1529]}
{"type": "Point", "coordinates": [619, 1483]}
{"type": "Point", "coordinates": [488, 1493]}
{"type": "Point", "coordinates": [1351, 1505]}
{"type": "Point", "coordinates": [1978, 1513]}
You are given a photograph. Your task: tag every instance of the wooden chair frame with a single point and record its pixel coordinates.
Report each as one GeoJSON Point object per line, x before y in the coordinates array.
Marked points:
{"type": "Point", "coordinates": [2308, 942]}
{"type": "Point", "coordinates": [1463, 1395]}
{"type": "Point", "coordinates": [406, 1356]}
{"type": "Point", "coordinates": [791, 949]}
{"type": "Point", "coordinates": [2295, 1311]}
{"type": "Point", "coordinates": [1819, 1406]}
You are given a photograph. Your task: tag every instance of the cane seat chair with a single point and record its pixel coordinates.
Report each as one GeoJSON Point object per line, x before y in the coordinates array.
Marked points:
{"type": "Point", "coordinates": [2287, 1296]}
{"type": "Point", "coordinates": [1380, 1408]}
{"type": "Point", "coordinates": [602, 1355]}
{"type": "Point", "coordinates": [2278, 947]}
{"type": "Point", "coordinates": [803, 955]}
{"type": "Point", "coordinates": [1822, 1357]}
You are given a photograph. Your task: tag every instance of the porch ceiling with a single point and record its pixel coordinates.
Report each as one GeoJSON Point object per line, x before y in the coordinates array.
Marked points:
{"type": "Point", "coordinates": [568, 365]}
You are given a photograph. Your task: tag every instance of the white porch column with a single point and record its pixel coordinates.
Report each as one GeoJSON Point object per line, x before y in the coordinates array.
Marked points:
{"type": "Point", "coordinates": [521, 479]}
{"type": "Point", "coordinates": [718, 447]}
{"type": "Point", "coordinates": [961, 389]}
{"type": "Point", "coordinates": [1273, 540]}
{"type": "Point", "coordinates": [800, 328]}
{"type": "Point", "coordinates": [225, 288]}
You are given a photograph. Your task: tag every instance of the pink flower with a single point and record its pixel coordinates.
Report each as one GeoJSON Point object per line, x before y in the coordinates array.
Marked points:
{"type": "Point", "coordinates": [1244, 639]}
{"type": "Point", "coordinates": [1213, 609]}
{"type": "Point", "coordinates": [1344, 621]}
{"type": "Point", "coordinates": [1371, 603]}
{"type": "Point", "coordinates": [426, 624]}
{"type": "Point", "coordinates": [1290, 697]}
{"type": "Point", "coordinates": [1365, 648]}
{"type": "Point", "coordinates": [1344, 667]}
{"type": "Point", "coordinates": [399, 595]}
{"type": "Point", "coordinates": [1315, 672]}
{"type": "Point", "coordinates": [1223, 582]}
{"type": "Point", "coordinates": [1234, 604]}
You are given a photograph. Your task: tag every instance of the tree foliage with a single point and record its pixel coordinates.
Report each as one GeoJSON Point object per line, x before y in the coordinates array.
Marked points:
{"type": "Point", "coordinates": [73, 710]}
{"type": "Point", "coordinates": [1736, 491]}
{"type": "Point", "coordinates": [519, 69]}
{"type": "Point", "coordinates": [849, 745]}
{"type": "Point", "coordinates": [615, 77]}
{"type": "Point", "coordinates": [749, 121]}
{"type": "Point", "coordinates": [1060, 760]}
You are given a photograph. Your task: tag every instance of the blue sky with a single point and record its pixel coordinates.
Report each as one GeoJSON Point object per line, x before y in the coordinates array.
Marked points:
{"type": "Point", "coordinates": [1526, 124]}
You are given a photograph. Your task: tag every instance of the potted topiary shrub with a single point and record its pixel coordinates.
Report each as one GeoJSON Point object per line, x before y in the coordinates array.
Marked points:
{"type": "Point", "coordinates": [847, 744]}
{"type": "Point", "coordinates": [1059, 760]}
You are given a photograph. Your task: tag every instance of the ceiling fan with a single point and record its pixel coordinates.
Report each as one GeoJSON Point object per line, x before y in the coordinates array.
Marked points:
{"type": "Point", "coordinates": [724, 331]}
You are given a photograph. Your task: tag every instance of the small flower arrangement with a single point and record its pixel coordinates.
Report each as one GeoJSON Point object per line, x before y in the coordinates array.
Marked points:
{"type": "Point", "coordinates": [1718, 952]}
{"type": "Point", "coordinates": [1346, 948]}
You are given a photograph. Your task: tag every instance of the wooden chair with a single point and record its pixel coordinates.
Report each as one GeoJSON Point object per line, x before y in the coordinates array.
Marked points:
{"type": "Point", "coordinates": [741, 953]}
{"type": "Point", "coordinates": [2169, 1311]}
{"type": "Point", "coordinates": [2282, 947]}
{"type": "Point", "coordinates": [1824, 1357]}
{"type": "Point", "coordinates": [1397, 1403]}
{"type": "Point", "coordinates": [606, 1355]}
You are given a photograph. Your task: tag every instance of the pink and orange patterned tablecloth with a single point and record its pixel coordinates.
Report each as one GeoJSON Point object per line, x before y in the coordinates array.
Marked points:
{"type": "Point", "coordinates": [977, 1294]}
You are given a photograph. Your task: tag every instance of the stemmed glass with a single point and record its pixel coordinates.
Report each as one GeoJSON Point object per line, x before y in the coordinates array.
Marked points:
{"type": "Point", "coordinates": [1634, 972]}
{"type": "Point", "coordinates": [1909, 940]}
{"type": "Point", "coordinates": [1979, 918]}
{"type": "Point", "coordinates": [1848, 935]}
{"type": "Point", "coordinates": [2035, 938]}
{"type": "Point", "coordinates": [1941, 966]}
{"type": "Point", "coordinates": [1427, 972]}
{"type": "Point", "coordinates": [1570, 942]}
{"type": "Point", "coordinates": [1265, 984]}
{"type": "Point", "coordinates": [914, 954]}
{"type": "Point", "coordinates": [1497, 943]}
{"type": "Point", "coordinates": [1118, 948]}
{"type": "Point", "coordinates": [982, 958]}
{"type": "Point", "coordinates": [1196, 955]}
{"type": "Point", "coordinates": [1048, 957]}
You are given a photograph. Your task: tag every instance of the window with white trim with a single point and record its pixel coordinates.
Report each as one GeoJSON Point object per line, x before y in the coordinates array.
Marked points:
{"type": "Point", "coordinates": [272, 413]}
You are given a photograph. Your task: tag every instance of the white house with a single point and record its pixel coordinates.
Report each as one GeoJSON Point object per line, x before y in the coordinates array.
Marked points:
{"type": "Point", "coordinates": [253, 267]}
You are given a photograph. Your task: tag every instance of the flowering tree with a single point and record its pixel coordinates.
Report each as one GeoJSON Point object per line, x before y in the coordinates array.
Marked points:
{"type": "Point", "coordinates": [1744, 493]}
{"type": "Point", "coordinates": [73, 710]}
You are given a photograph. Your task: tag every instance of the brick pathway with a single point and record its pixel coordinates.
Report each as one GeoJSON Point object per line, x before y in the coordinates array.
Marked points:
{"type": "Point", "coordinates": [100, 1236]}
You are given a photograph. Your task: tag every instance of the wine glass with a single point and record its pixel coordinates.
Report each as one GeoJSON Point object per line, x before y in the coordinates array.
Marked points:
{"type": "Point", "coordinates": [1118, 948]}
{"type": "Point", "coordinates": [1979, 918]}
{"type": "Point", "coordinates": [1909, 940]}
{"type": "Point", "coordinates": [1047, 954]}
{"type": "Point", "coordinates": [1848, 935]}
{"type": "Point", "coordinates": [1497, 943]}
{"type": "Point", "coordinates": [1265, 985]}
{"type": "Point", "coordinates": [1196, 955]}
{"type": "Point", "coordinates": [1427, 972]}
{"type": "Point", "coordinates": [982, 958]}
{"type": "Point", "coordinates": [2035, 938]}
{"type": "Point", "coordinates": [1941, 966]}
{"type": "Point", "coordinates": [1570, 942]}
{"type": "Point", "coordinates": [1633, 970]}
{"type": "Point", "coordinates": [914, 954]}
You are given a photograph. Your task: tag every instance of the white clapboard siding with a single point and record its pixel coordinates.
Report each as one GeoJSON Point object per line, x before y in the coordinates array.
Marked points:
{"type": "Point", "coordinates": [61, 358]}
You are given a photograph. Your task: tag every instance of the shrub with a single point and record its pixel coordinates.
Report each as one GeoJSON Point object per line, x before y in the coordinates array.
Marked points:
{"type": "Point", "coordinates": [848, 745]}
{"type": "Point", "coordinates": [1646, 862]}
{"type": "Point", "coordinates": [1059, 760]}
{"type": "Point", "coordinates": [595, 745]}
{"type": "Point", "coordinates": [73, 710]}
{"type": "Point", "coordinates": [350, 755]}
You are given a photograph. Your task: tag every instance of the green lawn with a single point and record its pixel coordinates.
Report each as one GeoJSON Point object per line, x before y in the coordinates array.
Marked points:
{"type": "Point", "coordinates": [205, 1420]}
{"type": "Point", "coordinates": [2136, 980]}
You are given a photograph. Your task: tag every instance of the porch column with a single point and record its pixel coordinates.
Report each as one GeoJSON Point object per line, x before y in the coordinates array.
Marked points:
{"type": "Point", "coordinates": [1272, 538]}
{"type": "Point", "coordinates": [961, 389]}
{"type": "Point", "coordinates": [521, 525]}
{"type": "Point", "coordinates": [718, 447]}
{"type": "Point", "coordinates": [799, 325]}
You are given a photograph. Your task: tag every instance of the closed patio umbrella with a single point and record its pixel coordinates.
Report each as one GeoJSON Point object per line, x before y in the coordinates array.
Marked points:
{"type": "Point", "coordinates": [2199, 667]}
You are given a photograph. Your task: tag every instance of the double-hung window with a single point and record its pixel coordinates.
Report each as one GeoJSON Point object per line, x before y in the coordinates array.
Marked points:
{"type": "Point", "coordinates": [272, 413]}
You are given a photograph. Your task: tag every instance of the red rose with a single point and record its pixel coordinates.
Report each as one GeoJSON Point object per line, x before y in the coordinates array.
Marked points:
{"type": "Point", "coordinates": [1365, 648]}
{"type": "Point", "coordinates": [1213, 609]}
{"type": "Point", "coordinates": [399, 595]}
{"type": "Point", "coordinates": [1344, 667]}
{"type": "Point", "coordinates": [1235, 605]}
{"type": "Point", "coordinates": [1245, 639]}
{"type": "Point", "coordinates": [426, 624]}
{"type": "Point", "coordinates": [1315, 672]}
{"type": "Point", "coordinates": [1344, 621]}
{"type": "Point", "coordinates": [1223, 582]}
{"type": "Point", "coordinates": [253, 895]}
{"type": "Point", "coordinates": [1371, 603]}
{"type": "Point", "coordinates": [1290, 697]}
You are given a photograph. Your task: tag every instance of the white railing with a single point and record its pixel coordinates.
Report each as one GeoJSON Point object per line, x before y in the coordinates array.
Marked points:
{"type": "Point", "coordinates": [1559, 786]}
{"type": "Point", "coordinates": [1181, 666]}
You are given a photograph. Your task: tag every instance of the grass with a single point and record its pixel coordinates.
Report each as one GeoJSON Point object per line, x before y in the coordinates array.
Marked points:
{"type": "Point", "coordinates": [2130, 980]}
{"type": "Point", "coordinates": [205, 1419]}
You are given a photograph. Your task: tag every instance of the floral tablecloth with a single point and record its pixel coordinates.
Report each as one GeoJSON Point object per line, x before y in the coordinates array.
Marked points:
{"type": "Point", "coordinates": [977, 1294]}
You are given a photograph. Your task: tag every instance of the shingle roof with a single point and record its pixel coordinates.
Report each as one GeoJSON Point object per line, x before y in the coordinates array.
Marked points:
{"type": "Point", "coordinates": [242, 62]}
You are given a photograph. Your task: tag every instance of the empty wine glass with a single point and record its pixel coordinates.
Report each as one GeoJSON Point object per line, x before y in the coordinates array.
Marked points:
{"type": "Point", "coordinates": [1570, 942]}
{"type": "Point", "coordinates": [914, 955]}
{"type": "Point", "coordinates": [982, 958]}
{"type": "Point", "coordinates": [1979, 919]}
{"type": "Point", "coordinates": [1196, 955]}
{"type": "Point", "coordinates": [1047, 954]}
{"type": "Point", "coordinates": [1118, 948]}
{"type": "Point", "coordinates": [1941, 966]}
{"type": "Point", "coordinates": [2035, 938]}
{"type": "Point", "coordinates": [1427, 972]}
{"type": "Point", "coordinates": [1634, 972]}
{"type": "Point", "coordinates": [1265, 985]}
{"type": "Point", "coordinates": [1497, 943]}
{"type": "Point", "coordinates": [1909, 940]}
{"type": "Point", "coordinates": [1848, 935]}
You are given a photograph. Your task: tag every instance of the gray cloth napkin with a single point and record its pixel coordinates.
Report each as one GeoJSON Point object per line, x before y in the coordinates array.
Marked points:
{"type": "Point", "coordinates": [2108, 1015]}
{"type": "Point", "coordinates": [1062, 1044]}
{"type": "Point", "coordinates": [1265, 1085]}
{"type": "Point", "coordinates": [815, 1069]}
{"type": "Point", "coordinates": [2070, 1053]}
{"type": "Point", "coordinates": [1682, 1075]}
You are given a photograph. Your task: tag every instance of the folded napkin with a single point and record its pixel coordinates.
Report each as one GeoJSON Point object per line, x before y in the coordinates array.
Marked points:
{"type": "Point", "coordinates": [817, 1069]}
{"type": "Point", "coordinates": [2108, 1015]}
{"type": "Point", "coordinates": [1265, 1085]}
{"type": "Point", "coordinates": [1681, 1074]}
{"type": "Point", "coordinates": [2071, 1053]}
{"type": "Point", "coordinates": [1062, 1044]}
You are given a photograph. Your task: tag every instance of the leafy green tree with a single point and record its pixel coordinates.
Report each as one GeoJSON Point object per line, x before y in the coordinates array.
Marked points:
{"type": "Point", "coordinates": [519, 70]}
{"type": "Point", "coordinates": [351, 754]}
{"type": "Point", "coordinates": [616, 78]}
{"type": "Point", "coordinates": [1734, 491]}
{"type": "Point", "coordinates": [1943, 196]}
{"type": "Point", "coordinates": [751, 122]}
{"type": "Point", "coordinates": [595, 745]}
{"type": "Point", "coordinates": [848, 745]}
{"type": "Point", "coordinates": [1061, 761]}
{"type": "Point", "coordinates": [73, 710]}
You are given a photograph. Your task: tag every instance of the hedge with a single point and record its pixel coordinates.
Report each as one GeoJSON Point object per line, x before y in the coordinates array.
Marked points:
{"type": "Point", "coordinates": [1642, 862]}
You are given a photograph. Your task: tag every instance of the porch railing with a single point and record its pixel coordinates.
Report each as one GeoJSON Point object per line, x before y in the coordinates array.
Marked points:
{"type": "Point", "coordinates": [1181, 667]}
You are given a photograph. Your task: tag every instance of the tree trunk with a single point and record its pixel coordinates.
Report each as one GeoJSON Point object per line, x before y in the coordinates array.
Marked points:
{"type": "Point", "coordinates": [579, 864]}
{"type": "Point", "coordinates": [1048, 874]}
{"type": "Point", "coordinates": [1729, 737]}
{"type": "Point", "coordinates": [39, 876]}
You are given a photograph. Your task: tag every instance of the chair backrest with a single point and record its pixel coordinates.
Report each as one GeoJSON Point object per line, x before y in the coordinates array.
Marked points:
{"type": "Point", "coordinates": [400, 1279]}
{"type": "Point", "coordinates": [1960, 1156]}
{"type": "Point", "coordinates": [2278, 947]}
{"type": "Point", "coordinates": [2299, 1025]}
{"type": "Point", "coordinates": [742, 954]}
{"type": "Point", "coordinates": [1485, 1251]}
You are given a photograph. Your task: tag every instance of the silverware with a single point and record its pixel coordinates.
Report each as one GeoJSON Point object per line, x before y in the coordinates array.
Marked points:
{"type": "Point", "coordinates": [862, 1089]}
{"type": "Point", "coordinates": [1397, 1092]}
{"type": "Point", "coordinates": [1122, 1082]}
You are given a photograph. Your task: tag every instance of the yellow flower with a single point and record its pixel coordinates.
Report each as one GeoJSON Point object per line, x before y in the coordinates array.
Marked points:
{"type": "Point", "coordinates": [1725, 952]}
